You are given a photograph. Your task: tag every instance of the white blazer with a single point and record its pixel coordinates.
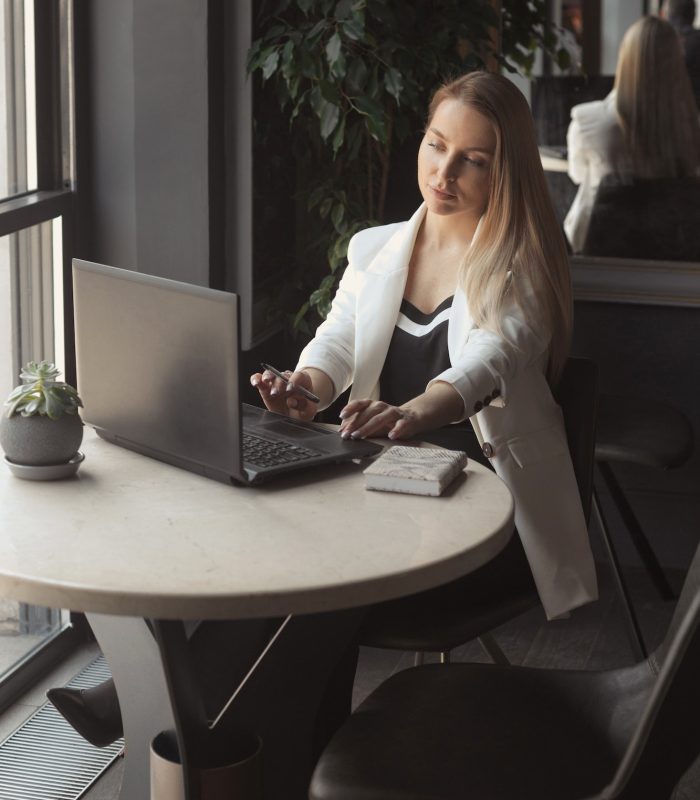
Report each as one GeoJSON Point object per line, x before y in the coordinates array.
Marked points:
{"type": "Point", "coordinates": [596, 148]}
{"type": "Point", "coordinates": [520, 425]}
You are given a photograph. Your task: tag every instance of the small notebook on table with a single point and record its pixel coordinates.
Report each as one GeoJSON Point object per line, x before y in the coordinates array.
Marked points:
{"type": "Point", "coordinates": [415, 470]}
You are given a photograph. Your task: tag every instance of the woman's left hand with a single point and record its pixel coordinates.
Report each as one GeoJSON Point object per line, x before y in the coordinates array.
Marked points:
{"type": "Point", "coordinates": [365, 418]}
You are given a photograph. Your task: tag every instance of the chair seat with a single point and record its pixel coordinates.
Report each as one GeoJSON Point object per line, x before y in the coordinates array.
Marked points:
{"type": "Point", "coordinates": [631, 430]}
{"type": "Point", "coordinates": [484, 732]}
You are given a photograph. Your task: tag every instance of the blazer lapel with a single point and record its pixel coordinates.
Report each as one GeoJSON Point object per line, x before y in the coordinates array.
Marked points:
{"type": "Point", "coordinates": [378, 305]}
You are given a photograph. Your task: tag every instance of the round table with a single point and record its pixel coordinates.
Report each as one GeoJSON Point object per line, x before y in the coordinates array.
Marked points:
{"type": "Point", "coordinates": [131, 538]}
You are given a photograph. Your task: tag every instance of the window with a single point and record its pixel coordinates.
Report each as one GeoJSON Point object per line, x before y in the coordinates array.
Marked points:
{"type": "Point", "coordinates": [36, 200]}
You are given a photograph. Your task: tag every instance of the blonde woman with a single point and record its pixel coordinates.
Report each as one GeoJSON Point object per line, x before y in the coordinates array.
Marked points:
{"type": "Point", "coordinates": [647, 127]}
{"type": "Point", "coordinates": [464, 313]}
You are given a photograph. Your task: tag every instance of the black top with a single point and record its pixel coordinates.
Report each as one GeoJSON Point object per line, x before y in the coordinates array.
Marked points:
{"type": "Point", "coordinates": [417, 353]}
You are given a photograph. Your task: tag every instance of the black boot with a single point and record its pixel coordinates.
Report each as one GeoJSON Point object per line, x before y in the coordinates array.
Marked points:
{"type": "Point", "coordinates": [94, 713]}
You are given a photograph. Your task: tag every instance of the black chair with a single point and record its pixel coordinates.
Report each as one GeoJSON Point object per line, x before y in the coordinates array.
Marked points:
{"type": "Point", "coordinates": [653, 434]}
{"type": "Point", "coordinates": [646, 219]}
{"type": "Point", "coordinates": [488, 732]}
{"type": "Point", "coordinates": [446, 617]}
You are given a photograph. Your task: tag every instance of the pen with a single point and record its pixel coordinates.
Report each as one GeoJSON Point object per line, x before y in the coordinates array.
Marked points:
{"type": "Point", "coordinates": [305, 392]}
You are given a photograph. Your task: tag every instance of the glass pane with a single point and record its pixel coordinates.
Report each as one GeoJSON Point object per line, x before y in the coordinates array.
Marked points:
{"type": "Point", "coordinates": [30, 269]}
{"type": "Point", "coordinates": [18, 161]}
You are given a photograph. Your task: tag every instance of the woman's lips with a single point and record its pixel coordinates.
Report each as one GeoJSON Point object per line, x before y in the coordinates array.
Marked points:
{"type": "Point", "coordinates": [442, 195]}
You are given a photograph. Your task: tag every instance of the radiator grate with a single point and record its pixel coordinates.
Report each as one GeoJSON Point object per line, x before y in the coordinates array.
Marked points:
{"type": "Point", "coordinates": [45, 759]}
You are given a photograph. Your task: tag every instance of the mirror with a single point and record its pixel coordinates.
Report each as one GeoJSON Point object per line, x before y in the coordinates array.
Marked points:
{"type": "Point", "coordinates": [637, 224]}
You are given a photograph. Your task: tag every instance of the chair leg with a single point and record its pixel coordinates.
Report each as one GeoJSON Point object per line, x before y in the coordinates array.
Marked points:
{"type": "Point", "coordinates": [639, 540]}
{"type": "Point", "coordinates": [444, 656]}
{"type": "Point", "coordinates": [633, 629]}
{"type": "Point", "coordinates": [492, 650]}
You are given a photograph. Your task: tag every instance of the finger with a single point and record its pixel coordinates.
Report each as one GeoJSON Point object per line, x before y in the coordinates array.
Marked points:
{"type": "Point", "coordinates": [272, 401]}
{"type": "Point", "coordinates": [402, 429]}
{"type": "Point", "coordinates": [374, 421]}
{"type": "Point", "coordinates": [353, 407]}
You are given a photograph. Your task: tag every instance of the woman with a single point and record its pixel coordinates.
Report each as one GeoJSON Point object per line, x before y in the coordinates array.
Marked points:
{"type": "Point", "coordinates": [482, 268]}
{"type": "Point", "coordinates": [647, 127]}
{"type": "Point", "coordinates": [480, 273]}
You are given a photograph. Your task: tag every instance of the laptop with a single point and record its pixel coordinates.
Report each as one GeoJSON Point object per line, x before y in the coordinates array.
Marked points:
{"type": "Point", "coordinates": [158, 372]}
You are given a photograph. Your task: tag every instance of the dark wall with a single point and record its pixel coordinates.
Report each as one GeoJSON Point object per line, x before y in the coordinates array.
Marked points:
{"type": "Point", "coordinates": [147, 135]}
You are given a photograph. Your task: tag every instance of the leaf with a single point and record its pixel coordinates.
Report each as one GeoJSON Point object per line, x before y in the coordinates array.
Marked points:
{"type": "Point", "coordinates": [338, 137]}
{"type": "Point", "coordinates": [374, 114]}
{"type": "Point", "coordinates": [329, 119]}
{"type": "Point", "coordinates": [288, 60]}
{"type": "Point", "coordinates": [270, 64]}
{"type": "Point", "coordinates": [301, 313]}
{"type": "Point", "coordinates": [337, 216]}
{"type": "Point", "coordinates": [325, 207]}
{"type": "Point", "coordinates": [354, 29]}
{"type": "Point", "coordinates": [333, 48]}
{"type": "Point", "coordinates": [357, 74]}
{"type": "Point", "coordinates": [315, 197]}
{"type": "Point", "coordinates": [393, 82]}
{"type": "Point", "coordinates": [343, 9]}
{"type": "Point", "coordinates": [306, 5]}
{"type": "Point", "coordinates": [335, 55]}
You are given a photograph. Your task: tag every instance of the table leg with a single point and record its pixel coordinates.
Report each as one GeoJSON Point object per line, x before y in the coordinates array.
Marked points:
{"type": "Point", "coordinates": [134, 659]}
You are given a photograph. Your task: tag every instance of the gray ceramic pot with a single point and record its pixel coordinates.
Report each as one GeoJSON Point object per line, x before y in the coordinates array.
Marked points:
{"type": "Point", "coordinates": [40, 441]}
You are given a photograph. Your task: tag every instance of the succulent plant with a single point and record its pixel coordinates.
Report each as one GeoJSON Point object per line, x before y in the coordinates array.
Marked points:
{"type": "Point", "coordinates": [41, 394]}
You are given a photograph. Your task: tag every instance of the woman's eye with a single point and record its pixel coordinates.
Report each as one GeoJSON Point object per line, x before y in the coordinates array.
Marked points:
{"type": "Point", "coordinates": [473, 161]}
{"type": "Point", "coordinates": [434, 145]}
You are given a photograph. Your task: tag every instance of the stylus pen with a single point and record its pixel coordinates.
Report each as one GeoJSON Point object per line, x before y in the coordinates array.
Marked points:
{"type": "Point", "coordinates": [302, 391]}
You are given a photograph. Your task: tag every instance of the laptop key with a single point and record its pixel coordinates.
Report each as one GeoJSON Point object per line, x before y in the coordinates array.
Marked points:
{"type": "Point", "coordinates": [261, 452]}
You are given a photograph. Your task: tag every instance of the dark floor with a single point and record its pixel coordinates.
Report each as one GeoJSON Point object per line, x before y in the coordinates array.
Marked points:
{"type": "Point", "coordinates": [594, 637]}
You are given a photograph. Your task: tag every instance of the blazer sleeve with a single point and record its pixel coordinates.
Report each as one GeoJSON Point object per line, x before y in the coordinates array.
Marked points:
{"type": "Point", "coordinates": [489, 362]}
{"type": "Point", "coordinates": [332, 350]}
{"type": "Point", "coordinates": [576, 152]}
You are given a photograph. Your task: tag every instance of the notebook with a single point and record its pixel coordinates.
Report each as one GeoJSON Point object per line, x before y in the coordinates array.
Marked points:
{"type": "Point", "coordinates": [158, 371]}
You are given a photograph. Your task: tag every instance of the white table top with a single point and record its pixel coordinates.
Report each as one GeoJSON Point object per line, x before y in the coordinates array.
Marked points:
{"type": "Point", "coordinates": [135, 537]}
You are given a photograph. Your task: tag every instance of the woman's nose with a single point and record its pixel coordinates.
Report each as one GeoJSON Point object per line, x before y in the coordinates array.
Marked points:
{"type": "Point", "coordinates": [446, 171]}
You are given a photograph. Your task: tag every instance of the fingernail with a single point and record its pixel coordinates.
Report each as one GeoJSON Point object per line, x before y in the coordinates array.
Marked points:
{"type": "Point", "coordinates": [343, 414]}
{"type": "Point", "coordinates": [391, 435]}
{"type": "Point", "coordinates": [255, 381]}
{"type": "Point", "coordinates": [290, 387]}
{"type": "Point", "coordinates": [344, 435]}
{"type": "Point", "coordinates": [355, 434]}
{"type": "Point", "coordinates": [273, 391]}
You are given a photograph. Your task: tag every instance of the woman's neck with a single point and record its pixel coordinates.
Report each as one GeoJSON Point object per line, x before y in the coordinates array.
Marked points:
{"type": "Point", "coordinates": [448, 232]}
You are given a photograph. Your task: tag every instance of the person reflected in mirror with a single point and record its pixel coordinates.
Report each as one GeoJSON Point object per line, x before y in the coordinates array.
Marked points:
{"type": "Point", "coordinates": [681, 14]}
{"type": "Point", "coordinates": [647, 127]}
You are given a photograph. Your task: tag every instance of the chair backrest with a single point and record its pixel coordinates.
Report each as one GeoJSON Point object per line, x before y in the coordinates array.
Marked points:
{"type": "Point", "coordinates": [577, 394]}
{"type": "Point", "coordinates": [667, 738]}
{"type": "Point", "coordinates": [650, 219]}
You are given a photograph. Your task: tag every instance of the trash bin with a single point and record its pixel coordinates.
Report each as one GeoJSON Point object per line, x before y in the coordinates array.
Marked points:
{"type": "Point", "coordinates": [240, 780]}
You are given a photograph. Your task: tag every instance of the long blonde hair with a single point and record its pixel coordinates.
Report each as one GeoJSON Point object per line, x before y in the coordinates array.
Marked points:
{"type": "Point", "coordinates": [519, 231]}
{"type": "Point", "coordinates": [655, 102]}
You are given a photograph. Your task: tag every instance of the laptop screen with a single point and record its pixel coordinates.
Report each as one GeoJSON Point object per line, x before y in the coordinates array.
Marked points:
{"type": "Point", "coordinates": [157, 364]}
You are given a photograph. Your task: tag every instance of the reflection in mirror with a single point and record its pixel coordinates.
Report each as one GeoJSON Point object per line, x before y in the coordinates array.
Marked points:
{"type": "Point", "coordinates": [622, 161]}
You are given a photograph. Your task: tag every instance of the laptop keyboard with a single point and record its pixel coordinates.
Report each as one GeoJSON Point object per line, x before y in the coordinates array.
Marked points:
{"type": "Point", "coordinates": [259, 452]}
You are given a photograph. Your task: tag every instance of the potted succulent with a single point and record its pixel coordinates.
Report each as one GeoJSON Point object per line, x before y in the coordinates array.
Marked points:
{"type": "Point", "coordinates": [41, 426]}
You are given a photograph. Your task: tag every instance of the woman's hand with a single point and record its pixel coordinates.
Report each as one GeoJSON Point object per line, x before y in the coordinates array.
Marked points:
{"type": "Point", "coordinates": [439, 405]}
{"type": "Point", "coordinates": [284, 398]}
{"type": "Point", "coordinates": [366, 418]}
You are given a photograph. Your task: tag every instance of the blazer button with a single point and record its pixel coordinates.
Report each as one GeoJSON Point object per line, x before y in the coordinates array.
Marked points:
{"type": "Point", "coordinates": [495, 393]}
{"type": "Point", "coordinates": [478, 406]}
{"type": "Point", "coordinates": [487, 449]}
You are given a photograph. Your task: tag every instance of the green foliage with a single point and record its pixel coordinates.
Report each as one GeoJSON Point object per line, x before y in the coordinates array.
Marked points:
{"type": "Point", "coordinates": [40, 393]}
{"type": "Point", "coordinates": [354, 78]}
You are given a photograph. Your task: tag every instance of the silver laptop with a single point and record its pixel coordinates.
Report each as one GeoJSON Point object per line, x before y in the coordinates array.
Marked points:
{"type": "Point", "coordinates": [157, 364]}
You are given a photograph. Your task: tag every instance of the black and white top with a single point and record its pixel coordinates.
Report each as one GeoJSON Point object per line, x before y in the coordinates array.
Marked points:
{"type": "Point", "coordinates": [417, 353]}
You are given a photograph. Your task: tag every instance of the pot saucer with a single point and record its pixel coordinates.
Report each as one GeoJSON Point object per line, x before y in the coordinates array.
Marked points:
{"type": "Point", "coordinates": [48, 472]}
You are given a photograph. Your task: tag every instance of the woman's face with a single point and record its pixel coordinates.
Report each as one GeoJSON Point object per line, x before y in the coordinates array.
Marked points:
{"type": "Point", "coordinates": [454, 160]}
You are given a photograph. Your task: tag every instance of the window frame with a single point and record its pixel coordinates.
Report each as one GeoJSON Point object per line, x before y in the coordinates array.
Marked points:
{"type": "Point", "coordinates": [53, 198]}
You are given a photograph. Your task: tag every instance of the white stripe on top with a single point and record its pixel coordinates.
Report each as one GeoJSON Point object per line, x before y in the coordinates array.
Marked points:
{"type": "Point", "coordinates": [416, 329]}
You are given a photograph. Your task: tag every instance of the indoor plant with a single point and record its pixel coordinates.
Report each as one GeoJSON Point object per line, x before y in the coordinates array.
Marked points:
{"type": "Point", "coordinates": [41, 425]}
{"type": "Point", "coordinates": [352, 79]}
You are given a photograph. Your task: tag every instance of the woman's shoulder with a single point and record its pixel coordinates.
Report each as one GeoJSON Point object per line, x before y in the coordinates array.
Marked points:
{"type": "Point", "coordinates": [595, 113]}
{"type": "Point", "coordinates": [366, 243]}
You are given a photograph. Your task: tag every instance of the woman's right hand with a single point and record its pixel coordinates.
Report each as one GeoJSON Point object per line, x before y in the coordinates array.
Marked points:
{"type": "Point", "coordinates": [283, 398]}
